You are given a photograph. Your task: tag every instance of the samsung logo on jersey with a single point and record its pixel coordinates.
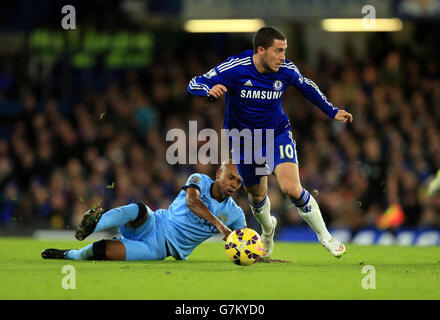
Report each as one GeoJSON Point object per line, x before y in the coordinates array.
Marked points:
{"type": "Point", "coordinates": [257, 94]}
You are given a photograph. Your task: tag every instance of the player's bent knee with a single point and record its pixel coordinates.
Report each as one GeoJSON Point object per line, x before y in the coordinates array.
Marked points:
{"type": "Point", "coordinates": [141, 217]}
{"type": "Point", "coordinates": [108, 250]}
{"type": "Point", "coordinates": [115, 250]}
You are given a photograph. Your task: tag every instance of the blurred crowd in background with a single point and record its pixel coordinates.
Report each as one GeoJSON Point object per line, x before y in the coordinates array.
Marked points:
{"type": "Point", "coordinates": [108, 148]}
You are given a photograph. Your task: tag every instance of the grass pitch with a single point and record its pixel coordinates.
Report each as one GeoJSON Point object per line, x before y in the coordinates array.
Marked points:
{"type": "Point", "coordinates": [400, 273]}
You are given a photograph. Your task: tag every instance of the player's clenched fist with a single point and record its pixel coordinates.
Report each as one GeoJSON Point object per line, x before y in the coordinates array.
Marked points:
{"type": "Point", "coordinates": [217, 91]}
{"type": "Point", "coordinates": [344, 116]}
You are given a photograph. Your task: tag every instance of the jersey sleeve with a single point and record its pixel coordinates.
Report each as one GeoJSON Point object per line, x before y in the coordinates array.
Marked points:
{"type": "Point", "coordinates": [201, 85]}
{"type": "Point", "coordinates": [311, 91]}
{"type": "Point", "coordinates": [197, 181]}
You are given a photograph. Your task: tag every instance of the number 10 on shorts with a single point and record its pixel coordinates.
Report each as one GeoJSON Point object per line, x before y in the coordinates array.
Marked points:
{"type": "Point", "coordinates": [287, 151]}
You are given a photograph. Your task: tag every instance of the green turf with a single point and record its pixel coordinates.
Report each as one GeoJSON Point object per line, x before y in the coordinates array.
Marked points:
{"type": "Point", "coordinates": [401, 273]}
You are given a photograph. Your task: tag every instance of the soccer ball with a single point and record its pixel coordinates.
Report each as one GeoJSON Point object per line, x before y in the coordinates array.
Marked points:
{"type": "Point", "coordinates": [244, 246]}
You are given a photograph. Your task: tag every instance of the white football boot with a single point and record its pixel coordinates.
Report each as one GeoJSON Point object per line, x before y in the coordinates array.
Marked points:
{"type": "Point", "coordinates": [336, 247]}
{"type": "Point", "coordinates": [267, 239]}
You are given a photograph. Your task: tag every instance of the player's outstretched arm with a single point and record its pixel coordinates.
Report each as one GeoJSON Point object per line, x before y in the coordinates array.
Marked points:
{"type": "Point", "coordinates": [212, 84]}
{"type": "Point", "coordinates": [311, 91]}
{"type": "Point", "coordinates": [199, 209]}
{"type": "Point", "coordinates": [210, 88]}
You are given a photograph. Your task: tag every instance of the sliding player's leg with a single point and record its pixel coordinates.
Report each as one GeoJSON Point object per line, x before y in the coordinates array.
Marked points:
{"type": "Point", "coordinates": [287, 175]}
{"type": "Point", "coordinates": [96, 219]}
{"type": "Point", "coordinates": [99, 250]}
{"type": "Point", "coordinates": [122, 250]}
{"type": "Point", "coordinates": [140, 240]}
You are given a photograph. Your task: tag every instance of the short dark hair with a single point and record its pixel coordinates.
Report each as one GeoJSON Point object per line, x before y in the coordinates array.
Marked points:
{"type": "Point", "coordinates": [265, 37]}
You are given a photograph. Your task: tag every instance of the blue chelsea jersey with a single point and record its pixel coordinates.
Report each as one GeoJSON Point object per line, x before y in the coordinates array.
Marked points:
{"type": "Point", "coordinates": [184, 230]}
{"type": "Point", "coordinates": [253, 99]}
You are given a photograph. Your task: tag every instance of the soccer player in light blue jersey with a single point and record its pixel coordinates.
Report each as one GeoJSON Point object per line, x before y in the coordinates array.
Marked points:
{"type": "Point", "coordinates": [253, 83]}
{"type": "Point", "coordinates": [202, 209]}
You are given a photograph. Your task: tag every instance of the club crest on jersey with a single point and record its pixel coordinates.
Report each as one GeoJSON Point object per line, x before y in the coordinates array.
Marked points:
{"type": "Point", "coordinates": [222, 218]}
{"type": "Point", "coordinates": [194, 180]}
{"type": "Point", "coordinates": [211, 73]}
{"type": "Point", "coordinates": [277, 85]}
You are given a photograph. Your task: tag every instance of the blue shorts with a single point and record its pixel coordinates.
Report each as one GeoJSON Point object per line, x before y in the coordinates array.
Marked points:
{"type": "Point", "coordinates": [284, 150]}
{"type": "Point", "coordinates": [145, 242]}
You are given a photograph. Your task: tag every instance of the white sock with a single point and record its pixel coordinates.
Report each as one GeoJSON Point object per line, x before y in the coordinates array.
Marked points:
{"type": "Point", "coordinates": [309, 211]}
{"type": "Point", "coordinates": [261, 212]}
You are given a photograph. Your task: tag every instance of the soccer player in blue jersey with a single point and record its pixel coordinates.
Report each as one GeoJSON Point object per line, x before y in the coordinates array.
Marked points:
{"type": "Point", "coordinates": [202, 209]}
{"type": "Point", "coordinates": [253, 83]}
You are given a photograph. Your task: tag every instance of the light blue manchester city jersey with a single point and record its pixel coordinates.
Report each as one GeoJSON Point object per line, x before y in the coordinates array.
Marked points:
{"type": "Point", "coordinates": [184, 230]}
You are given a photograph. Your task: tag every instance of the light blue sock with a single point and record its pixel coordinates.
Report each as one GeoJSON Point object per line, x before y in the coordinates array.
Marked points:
{"type": "Point", "coordinates": [85, 253]}
{"type": "Point", "coordinates": [117, 217]}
